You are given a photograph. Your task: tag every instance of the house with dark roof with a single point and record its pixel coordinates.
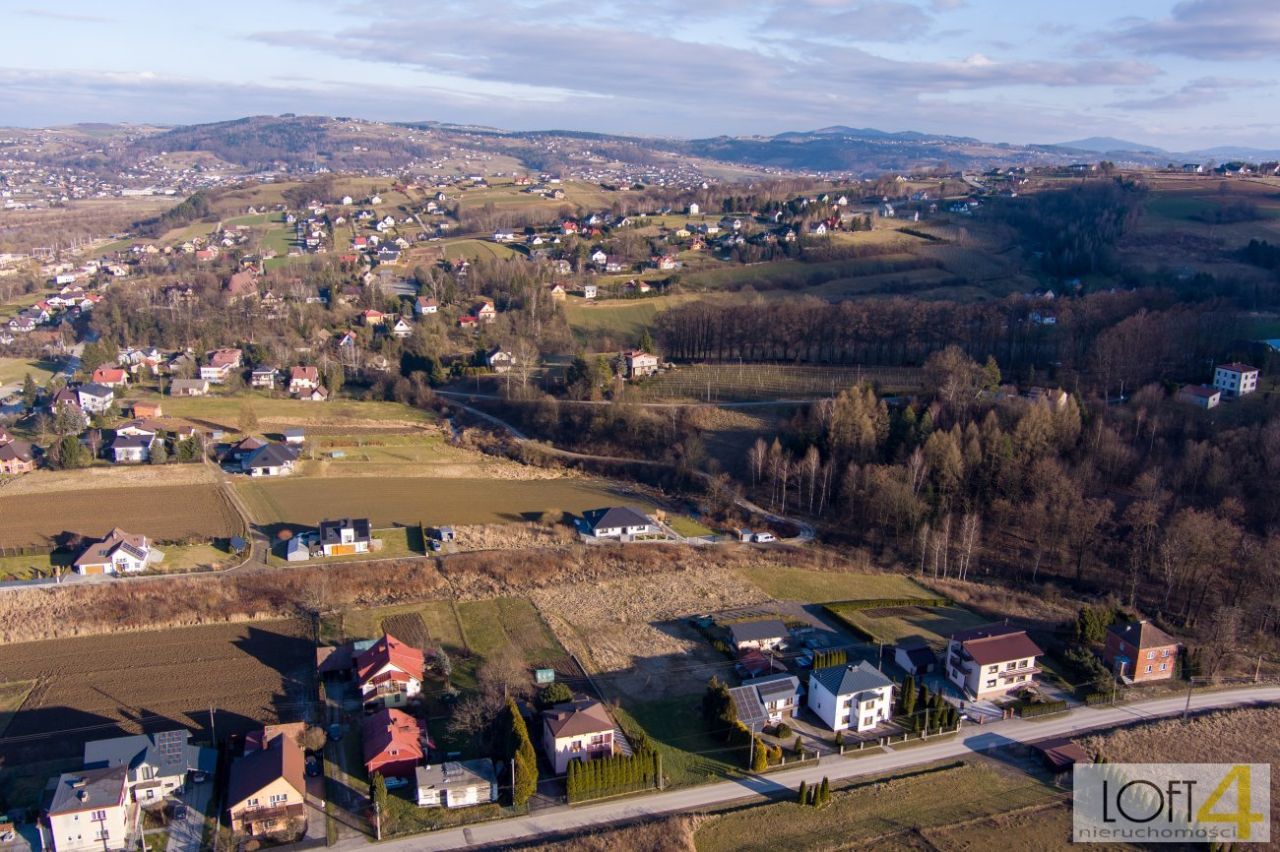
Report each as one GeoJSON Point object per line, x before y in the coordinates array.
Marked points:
{"type": "Point", "coordinates": [991, 661]}
{"type": "Point", "coordinates": [91, 811]}
{"type": "Point", "coordinates": [617, 522]}
{"type": "Point", "coordinates": [270, 460]}
{"type": "Point", "coordinates": [394, 743]}
{"type": "Point", "coordinates": [857, 697]}
{"type": "Point", "coordinates": [94, 398]}
{"type": "Point", "coordinates": [777, 695]}
{"type": "Point", "coordinates": [118, 552]}
{"type": "Point", "coordinates": [1138, 651]}
{"type": "Point", "coordinates": [762, 635]}
{"type": "Point", "coordinates": [131, 449]}
{"type": "Point", "coordinates": [456, 784]}
{"type": "Point", "coordinates": [157, 764]}
{"type": "Point", "coordinates": [914, 656]}
{"type": "Point", "coordinates": [345, 536]}
{"type": "Point", "coordinates": [266, 789]}
{"type": "Point", "coordinates": [16, 457]}
{"type": "Point", "coordinates": [581, 729]}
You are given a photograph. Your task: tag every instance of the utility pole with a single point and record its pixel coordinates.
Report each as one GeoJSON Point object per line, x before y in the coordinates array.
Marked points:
{"type": "Point", "coordinates": [213, 733]}
{"type": "Point", "coordinates": [1186, 711]}
{"type": "Point", "coordinates": [1257, 670]}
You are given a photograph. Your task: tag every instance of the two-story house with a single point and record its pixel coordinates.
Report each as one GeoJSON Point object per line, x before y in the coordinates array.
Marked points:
{"type": "Point", "coordinates": [1235, 379]}
{"type": "Point", "coordinates": [577, 730]}
{"type": "Point", "coordinates": [345, 536]}
{"type": "Point", "coordinates": [857, 697]}
{"type": "Point", "coordinates": [640, 364]}
{"type": "Point", "coordinates": [394, 743]}
{"type": "Point", "coordinates": [456, 784]}
{"type": "Point", "coordinates": [772, 697]}
{"type": "Point", "coordinates": [991, 661]}
{"type": "Point", "coordinates": [94, 398]}
{"type": "Point", "coordinates": [389, 673]}
{"type": "Point", "coordinates": [157, 764]}
{"type": "Point", "coordinates": [91, 811]}
{"type": "Point", "coordinates": [1138, 651]}
{"type": "Point", "coordinates": [219, 364]}
{"type": "Point", "coordinates": [118, 552]}
{"type": "Point", "coordinates": [266, 789]}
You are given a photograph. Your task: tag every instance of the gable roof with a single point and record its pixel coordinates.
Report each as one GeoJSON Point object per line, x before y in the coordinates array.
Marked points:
{"type": "Point", "coordinates": [167, 751]}
{"type": "Point", "coordinates": [578, 717]}
{"type": "Point", "coordinates": [389, 650]}
{"type": "Point", "coordinates": [996, 643]}
{"type": "Point", "coordinates": [331, 531]}
{"type": "Point", "coordinates": [392, 730]}
{"type": "Point", "coordinates": [16, 451]}
{"type": "Point", "coordinates": [1237, 367]}
{"type": "Point", "coordinates": [272, 455]}
{"type": "Point", "coordinates": [95, 389]}
{"type": "Point", "coordinates": [614, 517]}
{"type": "Point", "coordinates": [102, 550]}
{"type": "Point", "coordinates": [754, 631]}
{"type": "Point", "coordinates": [282, 758]}
{"type": "Point", "coordinates": [846, 680]}
{"type": "Point", "coordinates": [1142, 634]}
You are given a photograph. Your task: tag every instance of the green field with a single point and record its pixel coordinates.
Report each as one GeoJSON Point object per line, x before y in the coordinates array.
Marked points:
{"type": "Point", "coordinates": [688, 527]}
{"type": "Point", "coordinates": [792, 275]}
{"type": "Point", "coordinates": [690, 755]}
{"type": "Point", "coordinates": [891, 810]}
{"type": "Point", "coordinates": [795, 584]}
{"type": "Point", "coordinates": [932, 624]}
{"type": "Point", "coordinates": [749, 382]}
{"type": "Point", "coordinates": [474, 250]}
{"type": "Point", "coordinates": [621, 320]}
{"type": "Point", "coordinates": [407, 501]}
{"type": "Point", "coordinates": [225, 409]}
{"type": "Point", "coordinates": [14, 370]}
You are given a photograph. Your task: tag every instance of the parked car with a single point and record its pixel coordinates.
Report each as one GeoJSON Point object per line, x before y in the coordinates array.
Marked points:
{"type": "Point", "coordinates": [199, 777]}
{"type": "Point", "coordinates": [179, 812]}
{"type": "Point", "coordinates": [335, 732]}
{"type": "Point", "coordinates": [395, 783]}
{"type": "Point", "coordinates": [434, 544]}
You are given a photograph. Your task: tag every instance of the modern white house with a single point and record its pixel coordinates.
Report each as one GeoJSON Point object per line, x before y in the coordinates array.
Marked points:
{"type": "Point", "coordinates": [157, 764]}
{"type": "Point", "coordinates": [94, 398]}
{"type": "Point", "coordinates": [456, 784]}
{"type": "Point", "coordinates": [1233, 379]}
{"type": "Point", "coordinates": [620, 522]}
{"type": "Point", "coordinates": [91, 811]}
{"type": "Point", "coordinates": [763, 635]}
{"type": "Point", "coordinates": [118, 552]}
{"type": "Point", "coordinates": [991, 661]}
{"type": "Point", "coordinates": [851, 697]}
{"type": "Point", "coordinates": [345, 537]}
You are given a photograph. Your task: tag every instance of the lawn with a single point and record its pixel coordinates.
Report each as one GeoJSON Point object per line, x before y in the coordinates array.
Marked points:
{"type": "Point", "coordinates": [753, 382]}
{"type": "Point", "coordinates": [688, 527]}
{"type": "Point", "coordinates": [881, 807]}
{"type": "Point", "coordinates": [225, 410]}
{"type": "Point", "coordinates": [397, 543]}
{"type": "Point", "coordinates": [477, 250]}
{"type": "Point", "coordinates": [795, 584]}
{"type": "Point", "coordinates": [408, 501]}
{"type": "Point", "coordinates": [690, 755]}
{"type": "Point", "coordinates": [14, 370]}
{"type": "Point", "coordinates": [933, 624]}
{"type": "Point", "coordinates": [12, 694]}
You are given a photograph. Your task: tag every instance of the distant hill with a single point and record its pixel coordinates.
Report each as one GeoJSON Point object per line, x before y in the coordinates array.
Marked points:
{"type": "Point", "coordinates": [1104, 144]}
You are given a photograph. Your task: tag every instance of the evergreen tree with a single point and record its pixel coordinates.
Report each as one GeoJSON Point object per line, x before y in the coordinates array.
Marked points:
{"type": "Point", "coordinates": [760, 758]}
{"type": "Point", "coordinates": [803, 793]}
{"type": "Point", "coordinates": [29, 391]}
{"type": "Point", "coordinates": [824, 792]}
{"type": "Point", "coordinates": [380, 794]}
{"type": "Point", "coordinates": [907, 697]}
{"type": "Point", "coordinates": [159, 453]}
{"type": "Point", "coordinates": [526, 780]}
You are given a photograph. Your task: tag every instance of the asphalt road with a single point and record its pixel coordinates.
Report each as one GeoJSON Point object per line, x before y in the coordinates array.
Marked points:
{"type": "Point", "coordinates": [971, 739]}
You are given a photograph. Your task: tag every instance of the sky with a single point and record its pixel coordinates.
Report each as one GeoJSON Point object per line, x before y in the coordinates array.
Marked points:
{"type": "Point", "coordinates": [1179, 76]}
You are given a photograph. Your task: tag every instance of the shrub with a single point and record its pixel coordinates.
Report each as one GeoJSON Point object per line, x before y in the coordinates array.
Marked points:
{"type": "Point", "coordinates": [1044, 709]}
{"type": "Point", "coordinates": [555, 693]}
{"type": "Point", "coordinates": [783, 731]}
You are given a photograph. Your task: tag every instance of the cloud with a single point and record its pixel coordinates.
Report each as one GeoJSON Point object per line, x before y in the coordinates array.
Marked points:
{"type": "Point", "coordinates": [1196, 93]}
{"type": "Point", "coordinates": [860, 20]}
{"type": "Point", "coordinates": [1223, 30]}
{"type": "Point", "coordinates": [65, 16]}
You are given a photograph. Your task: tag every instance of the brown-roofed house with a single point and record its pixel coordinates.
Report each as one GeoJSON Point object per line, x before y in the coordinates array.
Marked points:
{"type": "Point", "coordinates": [118, 552]}
{"type": "Point", "coordinates": [1139, 651]}
{"type": "Point", "coordinates": [16, 457]}
{"type": "Point", "coordinates": [990, 661]}
{"type": "Point", "coordinates": [577, 730]}
{"type": "Point", "coordinates": [266, 790]}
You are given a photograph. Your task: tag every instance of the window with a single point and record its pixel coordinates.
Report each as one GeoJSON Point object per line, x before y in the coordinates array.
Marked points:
{"type": "Point", "coordinates": [102, 835]}
{"type": "Point", "coordinates": [1151, 655]}
{"type": "Point", "coordinates": [1025, 663]}
{"type": "Point", "coordinates": [279, 798]}
{"type": "Point", "coordinates": [844, 720]}
{"type": "Point", "coordinates": [991, 683]}
{"type": "Point", "coordinates": [1164, 666]}
{"type": "Point", "coordinates": [1165, 652]}
{"type": "Point", "coordinates": [993, 669]}
{"type": "Point", "coordinates": [1021, 678]}
{"type": "Point", "coordinates": [98, 816]}
{"type": "Point", "coordinates": [1011, 666]}
{"type": "Point", "coordinates": [1148, 669]}
{"type": "Point", "coordinates": [868, 721]}
{"type": "Point", "coordinates": [253, 803]}
{"type": "Point", "coordinates": [576, 745]}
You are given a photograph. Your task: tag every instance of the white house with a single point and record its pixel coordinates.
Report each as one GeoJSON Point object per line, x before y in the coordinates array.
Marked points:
{"type": "Point", "coordinates": [401, 329]}
{"type": "Point", "coordinates": [1201, 396]}
{"type": "Point", "coordinates": [694, 209]}
{"type": "Point", "coordinates": [344, 537]}
{"type": "Point", "coordinates": [94, 398]}
{"type": "Point", "coordinates": [990, 661]}
{"type": "Point", "coordinates": [456, 784]}
{"type": "Point", "coordinates": [1235, 379]}
{"type": "Point", "coordinates": [270, 460]}
{"type": "Point", "coordinates": [762, 635]}
{"type": "Point", "coordinates": [389, 672]}
{"type": "Point", "coordinates": [577, 730]}
{"type": "Point", "coordinates": [118, 552]}
{"type": "Point", "coordinates": [126, 449]}
{"type": "Point", "coordinates": [620, 522]}
{"type": "Point", "coordinates": [589, 291]}
{"type": "Point", "coordinates": [157, 764]}
{"type": "Point", "coordinates": [640, 364]}
{"type": "Point", "coordinates": [91, 811]}
{"type": "Point", "coordinates": [857, 697]}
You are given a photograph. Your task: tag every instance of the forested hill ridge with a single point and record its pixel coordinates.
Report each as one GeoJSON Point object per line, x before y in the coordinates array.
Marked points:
{"type": "Point", "coordinates": [296, 143]}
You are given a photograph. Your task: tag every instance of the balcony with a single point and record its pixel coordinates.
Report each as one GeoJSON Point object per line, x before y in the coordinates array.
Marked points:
{"type": "Point", "coordinates": [266, 816]}
{"type": "Point", "coordinates": [1008, 674]}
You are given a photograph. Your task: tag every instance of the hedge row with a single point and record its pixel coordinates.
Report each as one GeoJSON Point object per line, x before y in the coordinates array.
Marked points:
{"type": "Point", "coordinates": [611, 776]}
{"type": "Point", "coordinates": [877, 603]}
{"type": "Point", "coordinates": [1027, 711]}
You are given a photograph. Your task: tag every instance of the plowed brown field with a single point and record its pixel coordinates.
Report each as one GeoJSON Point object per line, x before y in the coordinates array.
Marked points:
{"type": "Point", "coordinates": [103, 686]}
{"type": "Point", "coordinates": [164, 513]}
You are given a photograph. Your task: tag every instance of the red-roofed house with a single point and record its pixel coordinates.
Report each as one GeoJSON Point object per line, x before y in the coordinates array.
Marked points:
{"type": "Point", "coordinates": [990, 661]}
{"type": "Point", "coordinates": [1140, 651]}
{"type": "Point", "coordinates": [303, 379]}
{"type": "Point", "coordinates": [394, 743]}
{"type": "Point", "coordinates": [389, 672]}
{"type": "Point", "coordinates": [220, 364]}
{"type": "Point", "coordinates": [112, 377]}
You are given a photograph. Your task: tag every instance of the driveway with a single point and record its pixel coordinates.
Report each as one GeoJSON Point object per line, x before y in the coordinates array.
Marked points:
{"type": "Point", "coordinates": [185, 834]}
{"type": "Point", "coordinates": [971, 739]}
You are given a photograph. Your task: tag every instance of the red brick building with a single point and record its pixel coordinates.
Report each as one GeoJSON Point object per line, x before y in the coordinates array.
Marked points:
{"type": "Point", "coordinates": [1139, 651]}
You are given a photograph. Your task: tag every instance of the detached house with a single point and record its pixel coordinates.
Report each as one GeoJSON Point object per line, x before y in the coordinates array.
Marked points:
{"type": "Point", "coordinates": [990, 661]}
{"type": "Point", "coordinates": [620, 522]}
{"type": "Point", "coordinates": [394, 743]}
{"type": "Point", "coordinates": [857, 697]}
{"type": "Point", "coordinates": [344, 537]}
{"type": "Point", "coordinates": [1235, 379]}
{"type": "Point", "coordinates": [456, 784]}
{"type": "Point", "coordinates": [500, 360]}
{"type": "Point", "coordinates": [266, 789]}
{"type": "Point", "coordinates": [484, 312]}
{"type": "Point", "coordinates": [94, 398]}
{"type": "Point", "coordinates": [303, 379]}
{"type": "Point", "coordinates": [401, 329]}
{"type": "Point", "coordinates": [577, 730]}
{"type": "Point", "coordinates": [389, 672]}
{"type": "Point", "coordinates": [772, 698]}
{"type": "Point", "coordinates": [270, 460]}
{"type": "Point", "coordinates": [135, 449]}
{"type": "Point", "coordinates": [112, 377]}
{"type": "Point", "coordinates": [189, 387]}
{"type": "Point", "coordinates": [91, 811]}
{"type": "Point", "coordinates": [1138, 651]}
{"type": "Point", "coordinates": [640, 364]}
{"type": "Point", "coordinates": [263, 377]}
{"type": "Point", "coordinates": [219, 364]}
{"type": "Point", "coordinates": [423, 306]}
{"type": "Point", "coordinates": [16, 457]}
{"type": "Point", "coordinates": [157, 764]}
{"type": "Point", "coordinates": [762, 635]}
{"type": "Point", "coordinates": [118, 552]}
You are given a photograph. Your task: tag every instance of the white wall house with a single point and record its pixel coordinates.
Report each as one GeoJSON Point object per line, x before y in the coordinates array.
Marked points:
{"type": "Point", "coordinates": [1235, 379]}
{"type": "Point", "coordinates": [456, 784]}
{"type": "Point", "coordinates": [988, 662]}
{"type": "Point", "coordinates": [618, 522]}
{"type": "Point", "coordinates": [851, 697]}
{"type": "Point", "coordinates": [577, 730]}
{"type": "Point", "coordinates": [91, 811]}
